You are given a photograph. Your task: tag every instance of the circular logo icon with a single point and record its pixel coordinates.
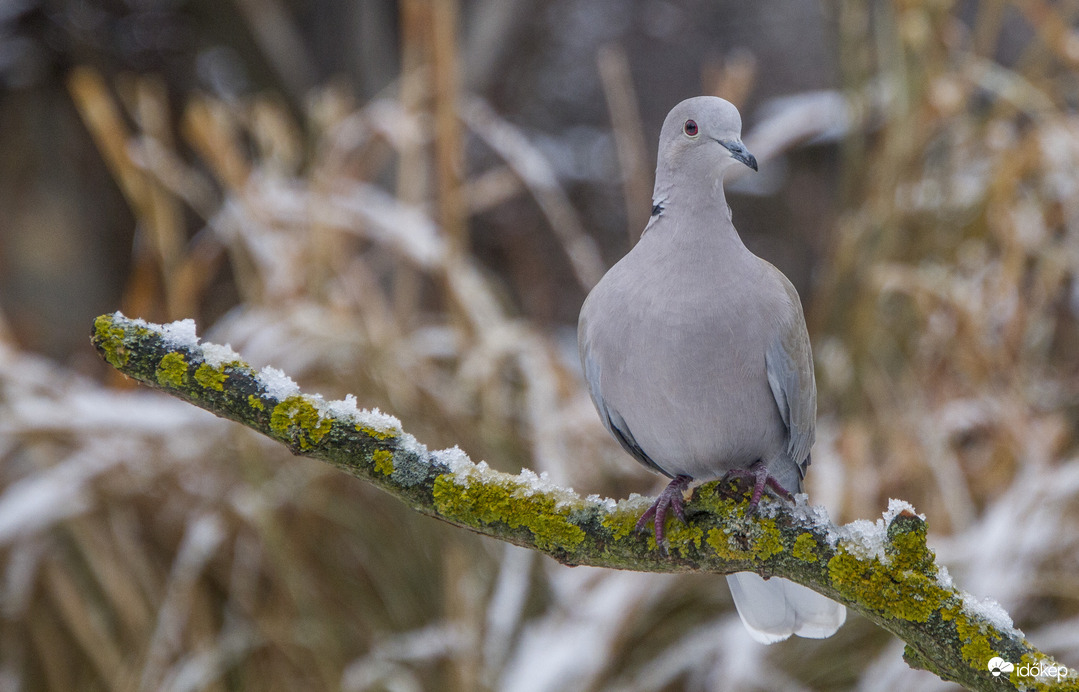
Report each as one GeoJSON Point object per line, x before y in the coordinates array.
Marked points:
{"type": "Point", "coordinates": [998, 665]}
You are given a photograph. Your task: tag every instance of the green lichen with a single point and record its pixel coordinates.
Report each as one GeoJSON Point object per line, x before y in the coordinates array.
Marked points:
{"type": "Point", "coordinates": [805, 548]}
{"type": "Point", "coordinates": [210, 377]}
{"type": "Point", "coordinates": [110, 339]}
{"type": "Point", "coordinates": [379, 435]}
{"type": "Point", "coordinates": [255, 402]}
{"type": "Point", "coordinates": [383, 461]}
{"type": "Point", "coordinates": [172, 370]}
{"type": "Point", "coordinates": [297, 419]}
{"type": "Point", "coordinates": [479, 502]}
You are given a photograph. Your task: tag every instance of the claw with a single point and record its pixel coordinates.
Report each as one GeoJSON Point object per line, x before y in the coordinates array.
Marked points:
{"type": "Point", "coordinates": [669, 499]}
{"type": "Point", "coordinates": [761, 479]}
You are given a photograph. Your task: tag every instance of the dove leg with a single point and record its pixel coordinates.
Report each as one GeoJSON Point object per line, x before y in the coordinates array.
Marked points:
{"type": "Point", "coordinates": [669, 499]}
{"type": "Point", "coordinates": [761, 479]}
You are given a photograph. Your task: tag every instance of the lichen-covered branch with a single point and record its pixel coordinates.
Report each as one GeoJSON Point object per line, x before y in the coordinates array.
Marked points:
{"type": "Point", "coordinates": [884, 570]}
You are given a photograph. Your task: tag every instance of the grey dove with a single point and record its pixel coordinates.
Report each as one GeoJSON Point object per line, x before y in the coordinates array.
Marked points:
{"type": "Point", "coordinates": [697, 357]}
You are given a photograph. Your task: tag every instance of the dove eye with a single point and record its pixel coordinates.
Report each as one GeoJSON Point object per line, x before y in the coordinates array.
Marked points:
{"type": "Point", "coordinates": [690, 128]}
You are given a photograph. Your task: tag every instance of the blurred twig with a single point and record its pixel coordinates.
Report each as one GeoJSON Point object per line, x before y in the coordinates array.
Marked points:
{"type": "Point", "coordinates": [628, 136]}
{"type": "Point", "coordinates": [280, 41]}
{"type": "Point", "coordinates": [538, 176]}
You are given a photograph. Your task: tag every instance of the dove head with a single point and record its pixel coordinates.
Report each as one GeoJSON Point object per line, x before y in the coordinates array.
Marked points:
{"type": "Point", "coordinates": [701, 138]}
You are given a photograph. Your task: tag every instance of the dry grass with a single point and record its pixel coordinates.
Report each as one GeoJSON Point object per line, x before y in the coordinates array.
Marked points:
{"type": "Point", "coordinates": [146, 545]}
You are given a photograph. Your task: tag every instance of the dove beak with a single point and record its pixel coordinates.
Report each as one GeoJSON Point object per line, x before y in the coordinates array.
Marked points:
{"type": "Point", "coordinates": [739, 152]}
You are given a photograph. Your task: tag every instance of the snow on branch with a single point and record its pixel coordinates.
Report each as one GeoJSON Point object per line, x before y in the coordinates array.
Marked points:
{"type": "Point", "coordinates": [882, 569]}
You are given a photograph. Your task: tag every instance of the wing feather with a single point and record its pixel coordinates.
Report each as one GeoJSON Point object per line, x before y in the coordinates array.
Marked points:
{"type": "Point", "coordinates": [789, 362]}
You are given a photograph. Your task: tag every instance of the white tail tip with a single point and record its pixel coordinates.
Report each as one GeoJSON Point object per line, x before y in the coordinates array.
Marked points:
{"type": "Point", "coordinates": [774, 609]}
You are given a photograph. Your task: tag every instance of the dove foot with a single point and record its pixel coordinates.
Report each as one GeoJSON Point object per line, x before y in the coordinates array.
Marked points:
{"type": "Point", "coordinates": [669, 499]}
{"type": "Point", "coordinates": [762, 480]}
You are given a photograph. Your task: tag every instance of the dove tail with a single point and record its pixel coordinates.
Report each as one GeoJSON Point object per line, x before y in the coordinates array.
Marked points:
{"type": "Point", "coordinates": [774, 609]}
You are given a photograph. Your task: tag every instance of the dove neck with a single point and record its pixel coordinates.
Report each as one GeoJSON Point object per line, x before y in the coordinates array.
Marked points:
{"type": "Point", "coordinates": [701, 201]}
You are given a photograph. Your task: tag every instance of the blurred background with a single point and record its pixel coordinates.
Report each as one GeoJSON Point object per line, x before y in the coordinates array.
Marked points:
{"type": "Point", "coordinates": [408, 201]}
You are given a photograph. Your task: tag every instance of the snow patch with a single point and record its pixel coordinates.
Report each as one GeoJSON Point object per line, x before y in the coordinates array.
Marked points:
{"type": "Point", "coordinates": [344, 409]}
{"type": "Point", "coordinates": [407, 442]}
{"type": "Point", "coordinates": [607, 504]}
{"type": "Point", "coordinates": [542, 483]}
{"type": "Point", "coordinates": [458, 463]}
{"type": "Point", "coordinates": [867, 539]}
{"type": "Point", "coordinates": [864, 539]}
{"type": "Point", "coordinates": [897, 507]}
{"type": "Point", "coordinates": [991, 611]}
{"type": "Point", "coordinates": [180, 334]}
{"type": "Point", "coordinates": [277, 384]}
{"type": "Point", "coordinates": [635, 503]}
{"type": "Point", "coordinates": [944, 578]}
{"type": "Point", "coordinates": [217, 355]}
{"type": "Point", "coordinates": [814, 517]}
{"type": "Point", "coordinates": [377, 420]}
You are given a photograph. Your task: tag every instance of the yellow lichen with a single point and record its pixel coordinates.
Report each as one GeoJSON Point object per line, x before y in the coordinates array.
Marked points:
{"type": "Point", "coordinates": [760, 541]}
{"type": "Point", "coordinates": [683, 538]}
{"type": "Point", "coordinates": [907, 548]}
{"type": "Point", "coordinates": [975, 649]}
{"type": "Point", "coordinates": [723, 545]}
{"type": "Point", "coordinates": [172, 370]}
{"type": "Point", "coordinates": [511, 504]}
{"type": "Point", "coordinates": [110, 339]}
{"type": "Point", "coordinates": [255, 402]}
{"type": "Point", "coordinates": [770, 542]}
{"type": "Point", "coordinates": [805, 548]}
{"type": "Point", "coordinates": [383, 461]}
{"type": "Point", "coordinates": [621, 522]}
{"type": "Point", "coordinates": [296, 418]}
{"type": "Point", "coordinates": [379, 435]}
{"type": "Point", "coordinates": [895, 593]}
{"type": "Point", "coordinates": [210, 377]}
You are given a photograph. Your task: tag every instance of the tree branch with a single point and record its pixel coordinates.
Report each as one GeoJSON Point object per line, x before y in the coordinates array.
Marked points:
{"type": "Point", "coordinates": [883, 570]}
